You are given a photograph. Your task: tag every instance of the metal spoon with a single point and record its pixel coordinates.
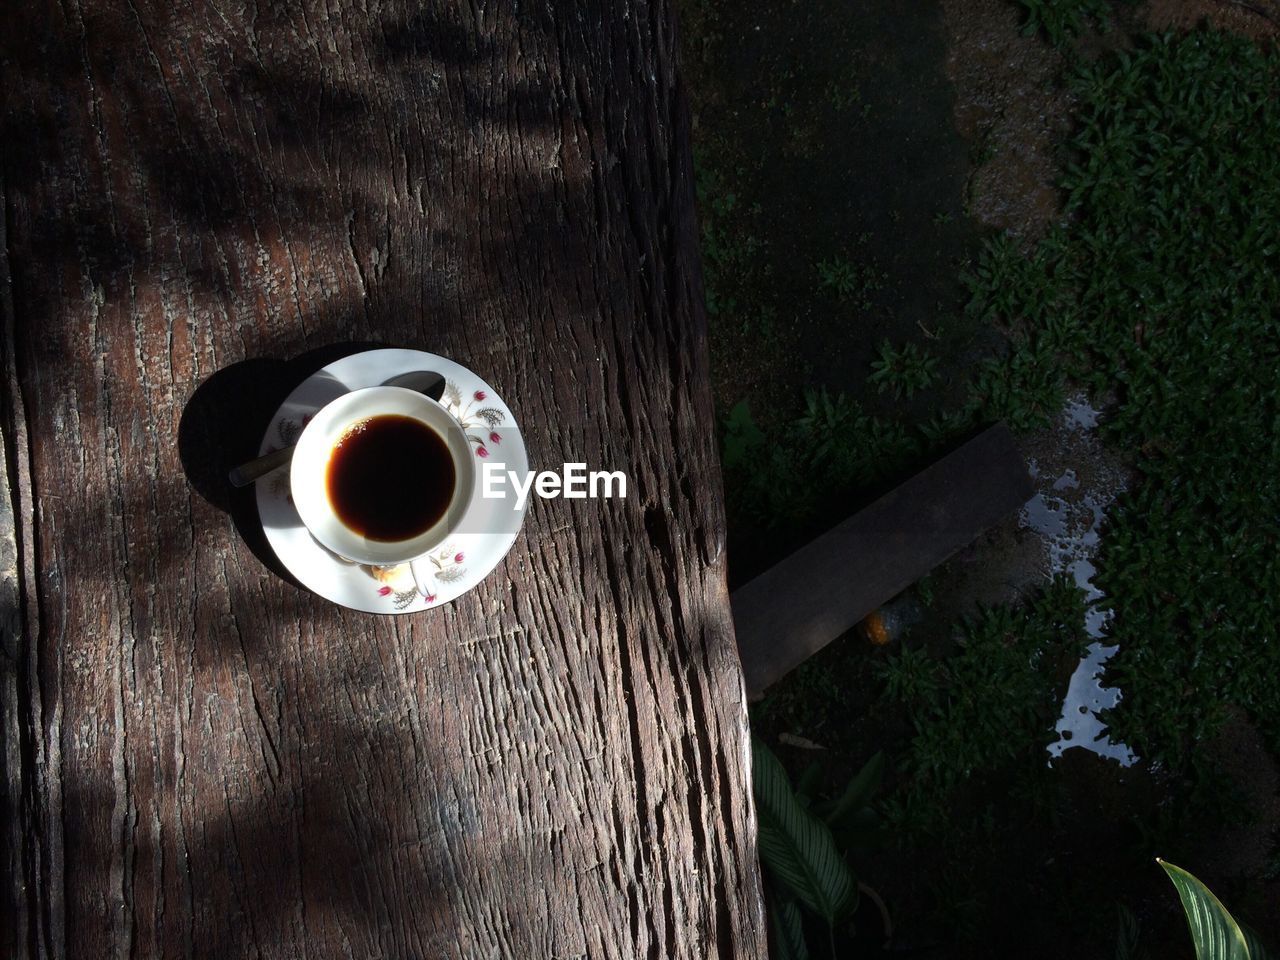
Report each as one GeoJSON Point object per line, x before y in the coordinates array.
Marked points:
{"type": "Point", "coordinates": [424, 381]}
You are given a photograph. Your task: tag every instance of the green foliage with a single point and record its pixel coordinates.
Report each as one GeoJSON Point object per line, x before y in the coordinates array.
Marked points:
{"type": "Point", "coordinates": [1062, 21]}
{"type": "Point", "coordinates": [910, 674]}
{"type": "Point", "coordinates": [1216, 934]}
{"type": "Point", "coordinates": [847, 444]}
{"type": "Point", "coordinates": [903, 371]}
{"type": "Point", "coordinates": [987, 705]}
{"type": "Point", "coordinates": [1128, 935]}
{"type": "Point", "coordinates": [946, 426]}
{"type": "Point", "coordinates": [786, 930]}
{"type": "Point", "coordinates": [924, 588]}
{"type": "Point", "coordinates": [803, 845]}
{"type": "Point", "coordinates": [1024, 388]}
{"type": "Point", "coordinates": [1157, 293]}
{"type": "Point", "coordinates": [1022, 295]}
{"type": "Point", "coordinates": [851, 282]}
{"type": "Point", "coordinates": [857, 795]}
{"type": "Point", "coordinates": [796, 846]}
{"type": "Point", "coordinates": [1161, 292]}
{"type": "Point", "coordinates": [1193, 554]}
{"type": "Point", "coordinates": [833, 448]}
{"type": "Point", "coordinates": [764, 480]}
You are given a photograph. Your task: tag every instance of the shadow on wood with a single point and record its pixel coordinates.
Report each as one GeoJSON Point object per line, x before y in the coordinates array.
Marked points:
{"type": "Point", "coordinates": [222, 425]}
{"type": "Point", "coordinates": [200, 759]}
{"type": "Point", "coordinates": [798, 606]}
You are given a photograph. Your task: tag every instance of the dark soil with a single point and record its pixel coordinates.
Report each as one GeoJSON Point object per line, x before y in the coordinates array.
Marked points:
{"type": "Point", "coordinates": [1259, 19]}
{"type": "Point", "coordinates": [1009, 105]}
{"type": "Point", "coordinates": [833, 123]}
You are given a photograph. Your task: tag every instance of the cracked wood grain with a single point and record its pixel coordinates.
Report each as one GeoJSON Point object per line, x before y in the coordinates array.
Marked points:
{"type": "Point", "coordinates": [200, 759]}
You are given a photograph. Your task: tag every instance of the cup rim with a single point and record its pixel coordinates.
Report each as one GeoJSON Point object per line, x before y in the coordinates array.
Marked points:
{"type": "Point", "coordinates": [309, 467]}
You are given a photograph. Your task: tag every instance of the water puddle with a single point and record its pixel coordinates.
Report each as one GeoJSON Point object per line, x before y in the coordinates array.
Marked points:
{"type": "Point", "coordinates": [1067, 517]}
{"type": "Point", "coordinates": [1079, 414]}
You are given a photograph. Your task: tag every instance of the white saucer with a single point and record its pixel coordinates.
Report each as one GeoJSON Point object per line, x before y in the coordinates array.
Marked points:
{"type": "Point", "coordinates": [465, 558]}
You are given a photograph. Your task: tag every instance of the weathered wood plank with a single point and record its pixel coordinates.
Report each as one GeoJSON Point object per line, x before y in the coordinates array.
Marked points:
{"type": "Point", "coordinates": [798, 606]}
{"type": "Point", "coordinates": [222, 765]}
{"type": "Point", "coordinates": [18, 852]}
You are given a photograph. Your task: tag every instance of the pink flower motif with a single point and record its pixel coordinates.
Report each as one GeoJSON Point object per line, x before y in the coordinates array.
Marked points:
{"type": "Point", "coordinates": [458, 558]}
{"type": "Point", "coordinates": [384, 592]}
{"type": "Point", "coordinates": [494, 438]}
{"type": "Point", "coordinates": [430, 598]}
{"type": "Point", "coordinates": [481, 452]}
{"type": "Point", "coordinates": [480, 394]}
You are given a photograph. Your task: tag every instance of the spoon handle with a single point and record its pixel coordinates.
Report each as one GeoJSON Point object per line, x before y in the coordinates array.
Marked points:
{"type": "Point", "coordinates": [424, 381]}
{"type": "Point", "coordinates": [247, 473]}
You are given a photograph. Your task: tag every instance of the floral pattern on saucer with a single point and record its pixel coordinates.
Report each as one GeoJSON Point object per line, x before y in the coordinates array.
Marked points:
{"type": "Point", "coordinates": [451, 569]}
{"type": "Point", "coordinates": [481, 424]}
{"type": "Point", "coordinates": [446, 567]}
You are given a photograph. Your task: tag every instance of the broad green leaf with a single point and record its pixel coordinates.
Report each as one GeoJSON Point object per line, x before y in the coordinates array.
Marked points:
{"type": "Point", "coordinates": [859, 791]}
{"type": "Point", "coordinates": [1256, 950]}
{"type": "Point", "coordinates": [786, 931]}
{"type": "Point", "coordinates": [1129, 934]}
{"type": "Point", "coordinates": [796, 846]}
{"type": "Point", "coordinates": [1216, 933]}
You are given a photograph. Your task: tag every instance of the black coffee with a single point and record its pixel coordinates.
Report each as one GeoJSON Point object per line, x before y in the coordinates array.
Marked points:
{"type": "Point", "coordinates": [390, 478]}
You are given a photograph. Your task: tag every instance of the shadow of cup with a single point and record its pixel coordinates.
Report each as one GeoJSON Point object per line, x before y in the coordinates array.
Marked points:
{"type": "Point", "coordinates": [222, 426]}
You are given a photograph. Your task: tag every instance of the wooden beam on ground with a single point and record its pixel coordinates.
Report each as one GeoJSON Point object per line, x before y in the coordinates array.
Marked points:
{"type": "Point", "coordinates": [794, 609]}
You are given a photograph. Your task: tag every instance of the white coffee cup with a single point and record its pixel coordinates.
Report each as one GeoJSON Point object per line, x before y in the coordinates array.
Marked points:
{"type": "Point", "coordinates": [308, 475]}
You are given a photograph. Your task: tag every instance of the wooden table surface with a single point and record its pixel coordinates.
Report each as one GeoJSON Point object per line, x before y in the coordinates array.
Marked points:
{"type": "Point", "coordinates": [204, 760]}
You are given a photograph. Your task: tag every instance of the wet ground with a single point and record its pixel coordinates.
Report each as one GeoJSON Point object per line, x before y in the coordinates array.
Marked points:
{"type": "Point", "coordinates": [894, 137]}
{"type": "Point", "coordinates": [1079, 478]}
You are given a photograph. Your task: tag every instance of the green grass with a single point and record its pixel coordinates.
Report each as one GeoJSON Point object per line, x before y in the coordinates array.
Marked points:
{"type": "Point", "coordinates": [1157, 295]}
{"type": "Point", "coordinates": [989, 705]}
{"type": "Point", "coordinates": [833, 448]}
{"type": "Point", "coordinates": [1063, 21]}
{"type": "Point", "coordinates": [851, 282]}
{"type": "Point", "coordinates": [903, 371]}
{"type": "Point", "coordinates": [1160, 296]}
